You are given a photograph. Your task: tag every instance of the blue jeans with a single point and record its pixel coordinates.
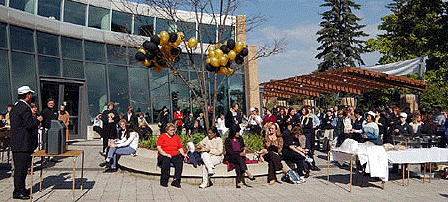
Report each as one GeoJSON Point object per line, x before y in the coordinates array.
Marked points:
{"type": "Point", "coordinates": [114, 151]}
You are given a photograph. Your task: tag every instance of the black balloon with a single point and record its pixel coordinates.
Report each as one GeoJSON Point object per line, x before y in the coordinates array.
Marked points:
{"type": "Point", "coordinates": [239, 59]}
{"type": "Point", "coordinates": [209, 67]}
{"type": "Point", "coordinates": [244, 52]}
{"type": "Point", "coordinates": [155, 39]}
{"type": "Point", "coordinates": [150, 55]}
{"type": "Point", "coordinates": [151, 65]}
{"type": "Point", "coordinates": [150, 46]}
{"type": "Point", "coordinates": [161, 61]}
{"type": "Point", "coordinates": [224, 49]}
{"type": "Point", "coordinates": [231, 44]}
{"type": "Point", "coordinates": [140, 56]}
{"type": "Point", "coordinates": [176, 51]}
{"type": "Point", "coordinates": [173, 37]}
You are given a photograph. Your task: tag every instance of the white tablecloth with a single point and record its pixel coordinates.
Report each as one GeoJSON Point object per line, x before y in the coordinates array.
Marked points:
{"type": "Point", "coordinates": [418, 155]}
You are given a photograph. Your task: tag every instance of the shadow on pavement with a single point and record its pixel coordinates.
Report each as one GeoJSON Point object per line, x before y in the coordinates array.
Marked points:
{"type": "Point", "coordinates": [61, 181]}
{"type": "Point", "coordinates": [362, 181]}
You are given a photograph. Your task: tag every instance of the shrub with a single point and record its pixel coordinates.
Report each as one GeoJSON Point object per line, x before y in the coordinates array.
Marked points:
{"type": "Point", "coordinates": [150, 143]}
{"type": "Point", "coordinates": [253, 142]}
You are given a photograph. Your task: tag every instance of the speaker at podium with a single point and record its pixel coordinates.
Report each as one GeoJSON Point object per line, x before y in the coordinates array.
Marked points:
{"type": "Point", "coordinates": [56, 138]}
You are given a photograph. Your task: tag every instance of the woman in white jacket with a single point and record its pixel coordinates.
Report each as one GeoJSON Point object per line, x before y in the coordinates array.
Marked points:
{"type": "Point", "coordinates": [212, 150]}
{"type": "Point", "coordinates": [126, 146]}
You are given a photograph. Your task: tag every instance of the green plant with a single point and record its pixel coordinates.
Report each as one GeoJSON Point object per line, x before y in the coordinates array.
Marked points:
{"type": "Point", "coordinates": [150, 143]}
{"type": "Point", "coordinates": [253, 142]}
{"type": "Point", "coordinates": [195, 138]}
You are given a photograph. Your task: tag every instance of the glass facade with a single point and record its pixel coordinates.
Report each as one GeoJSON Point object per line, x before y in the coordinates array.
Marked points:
{"type": "Point", "coordinates": [2, 2]}
{"type": "Point", "coordinates": [160, 94]}
{"type": "Point", "coordinates": [73, 69]}
{"type": "Point", "coordinates": [47, 44]}
{"type": "Point", "coordinates": [95, 51]}
{"type": "Point", "coordinates": [143, 25]}
{"type": "Point", "coordinates": [3, 35]}
{"type": "Point", "coordinates": [23, 71]}
{"type": "Point", "coordinates": [49, 66]}
{"type": "Point", "coordinates": [165, 25]}
{"type": "Point", "coordinates": [119, 87]}
{"type": "Point", "coordinates": [97, 88]}
{"type": "Point", "coordinates": [188, 28]}
{"type": "Point", "coordinates": [121, 22]}
{"type": "Point", "coordinates": [116, 54]}
{"type": "Point", "coordinates": [75, 12]}
{"type": "Point", "coordinates": [99, 18]}
{"type": "Point", "coordinates": [71, 48]}
{"type": "Point", "coordinates": [49, 8]}
{"type": "Point", "coordinates": [5, 97]}
{"type": "Point", "coordinates": [208, 33]}
{"type": "Point", "coordinates": [139, 85]}
{"type": "Point", "coordinates": [23, 5]}
{"type": "Point", "coordinates": [21, 39]}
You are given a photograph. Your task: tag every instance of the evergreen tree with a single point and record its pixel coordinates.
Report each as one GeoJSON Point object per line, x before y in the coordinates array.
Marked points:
{"type": "Point", "coordinates": [340, 35]}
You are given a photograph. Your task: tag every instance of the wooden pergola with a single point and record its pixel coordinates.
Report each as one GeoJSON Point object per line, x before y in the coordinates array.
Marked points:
{"type": "Point", "coordinates": [345, 79]}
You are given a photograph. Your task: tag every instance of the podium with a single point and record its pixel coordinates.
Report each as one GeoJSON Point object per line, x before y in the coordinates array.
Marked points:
{"type": "Point", "coordinates": [56, 138]}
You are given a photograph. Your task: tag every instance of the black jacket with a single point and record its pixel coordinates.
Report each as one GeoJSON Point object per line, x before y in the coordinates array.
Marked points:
{"type": "Point", "coordinates": [229, 148]}
{"type": "Point", "coordinates": [23, 127]}
{"type": "Point", "coordinates": [133, 120]}
{"type": "Point", "coordinates": [48, 115]}
{"type": "Point", "coordinates": [105, 118]}
{"type": "Point", "coordinates": [230, 119]}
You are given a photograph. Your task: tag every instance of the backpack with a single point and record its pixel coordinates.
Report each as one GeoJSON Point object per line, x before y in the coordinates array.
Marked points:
{"type": "Point", "coordinates": [291, 177]}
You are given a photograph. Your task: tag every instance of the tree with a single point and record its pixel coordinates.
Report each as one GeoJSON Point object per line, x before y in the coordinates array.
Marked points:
{"type": "Point", "coordinates": [211, 17]}
{"type": "Point", "coordinates": [340, 35]}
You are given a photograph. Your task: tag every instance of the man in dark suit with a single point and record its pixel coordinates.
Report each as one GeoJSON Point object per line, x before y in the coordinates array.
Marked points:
{"type": "Point", "coordinates": [23, 139]}
{"type": "Point", "coordinates": [131, 118]}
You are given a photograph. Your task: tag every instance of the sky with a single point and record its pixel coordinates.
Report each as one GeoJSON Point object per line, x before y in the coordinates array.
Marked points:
{"type": "Point", "coordinates": [298, 21]}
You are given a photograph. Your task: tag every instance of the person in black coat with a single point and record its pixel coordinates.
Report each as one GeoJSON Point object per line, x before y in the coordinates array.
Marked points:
{"type": "Point", "coordinates": [48, 114]}
{"type": "Point", "coordinates": [236, 154]}
{"type": "Point", "coordinates": [23, 139]}
{"type": "Point", "coordinates": [163, 119]}
{"type": "Point", "coordinates": [110, 119]}
{"type": "Point", "coordinates": [131, 118]}
{"type": "Point", "coordinates": [233, 117]}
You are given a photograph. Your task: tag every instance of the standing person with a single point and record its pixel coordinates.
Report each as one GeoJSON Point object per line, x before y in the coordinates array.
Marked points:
{"type": "Point", "coordinates": [357, 125]}
{"type": "Point", "coordinates": [338, 131]}
{"type": "Point", "coordinates": [188, 123]}
{"type": "Point", "coordinates": [220, 124]}
{"type": "Point", "coordinates": [170, 151]}
{"type": "Point", "coordinates": [64, 116]}
{"type": "Point", "coordinates": [98, 125]}
{"type": "Point", "coordinates": [233, 116]}
{"type": "Point", "coordinates": [280, 119]}
{"type": "Point", "coordinates": [212, 150]}
{"type": "Point", "coordinates": [163, 119]}
{"type": "Point", "coordinates": [254, 121]}
{"type": "Point", "coordinates": [370, 130]}
{"type": "Point", "coordinates": [48, 114]}
{"type": "Point", "coordinates": [7, 119]}
{"type": "Point", "coordinates": [110, 119]}
{"type": "Point", "coordinates": [23, 139]}
{"type": "Point", "coordinates": [328, 128]}
{"type": "Point", "coordinates": [440, 119]}
{"type": "Point", "coordinates": [269, 118]}
{"type": "Point", "coordinates": [306, 120]}
{"type": "Point", "coordinates": [178, 116]}
{"type": "Point", "coordinates": [131, 117]}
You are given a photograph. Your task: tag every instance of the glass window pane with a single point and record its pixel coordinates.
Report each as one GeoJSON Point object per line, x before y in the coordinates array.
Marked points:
{"type": "Point", "coordinates": [49, 8]}
{"type": "Point", "coordinates": [3, 35]}
{"type": "Point", "coordinates": [180, 93]}
{"type": "Point", "coordinates": [208, 33]}
{"type": "Point", "coordinates": [143, 25]}
{"type": "Point", "coordinates": [73, 69]}
{"type": "Point", "coordinates": [49, 66]}
{"type": "Point", "coordinates": [47, 44]}
{"type": "Point", "coordinates": [97, 88]}
{"type": "Point", "coordinates": [131, 56]}
{"type": "Point", "coordinates": [116, 54]}
{"type": "Point", "coordinates": [95, 51]}
{"type": "Point", "coordinates": [188, 28]}
{"type": "Point", "coordinates": [71, 48]}
{"type": "Point", "coordinates": [165, 25]}
{"type": "Point", "coordinates": [121, 22]}
{"type": "Point", "coordinates": [184, 62]}
{"type": "Point", "coordinates": [22, 39]}
{"type": "Point", "coordinates": [226, 32]}
{"type": "Point", "coordinates": [159, 92]}
{"type": "Point", "coordinates": [222, 104]}
{"type": "Point", "coordinates": [23, 71]}
{"type": "Point", "coordinates": [119, 87]}
{"type": "Point", "coordinates": [75, 12]}
{"type": "Point", "coordinates": [237, 92]}
{"type": "Point", "coordinates": [139, 89]}
{"type": "Point", "coordinates": [5, 97]}
{"type": "Point", "coordinates": [2, 2]}
{"type": "Point", "coordinates": [24, 5]}
{"type": "Point", "coordinates": [99, 18]}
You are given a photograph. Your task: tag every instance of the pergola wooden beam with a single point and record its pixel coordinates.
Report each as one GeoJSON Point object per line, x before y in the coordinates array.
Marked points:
{"type": "Point", "coordinates": [272, 87]}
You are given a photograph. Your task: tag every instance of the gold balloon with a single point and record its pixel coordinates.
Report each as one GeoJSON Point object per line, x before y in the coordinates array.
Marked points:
{"type": "Point", "coordinates": [211, 48]}
{"type": "Point", "coordinates": [192, 42]}
{"type": "Point", "coordinates": [181, 36]}
{"type": "Point", "coordinates": [142, 50]}
{"type": "Point", "coordinates": [222, 70]}
{"type": "Point", "coordinates": [146, 63]}
{"type": "Point", "coordinates": [232, 55]}
{"type": "Point", "coordinates": [212, 53]}
{"type": "Point", "coordinates": [239, 46]}
{"type": "Point", "coordinates": [207, 60]}
{"type": "Point", "coordinates": [214, 62]}
{"type": "Point", "coordinates": [223, 60]}
{"type": "Point", "coordinates": [219, 53]}
{"type": "Point", "coordinates": [230, 71]}
{"type": "Point", "coordinates": [164, 37]}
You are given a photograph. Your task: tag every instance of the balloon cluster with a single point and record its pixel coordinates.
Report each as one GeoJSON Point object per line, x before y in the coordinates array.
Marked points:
{"type": "Point", "coordinates": [162, 49]}
{"type": "Point", "coordinates": [220, 56]}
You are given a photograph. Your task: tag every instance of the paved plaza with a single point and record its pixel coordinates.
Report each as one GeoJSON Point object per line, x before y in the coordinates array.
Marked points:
{"type": "Point", "coordinates": [128, 186]}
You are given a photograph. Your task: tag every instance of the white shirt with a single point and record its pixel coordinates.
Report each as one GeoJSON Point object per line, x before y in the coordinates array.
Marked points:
{"type": "Point", "coordinates": [220, 123]}
{"type": "Point", "coordinates": [132, 141]}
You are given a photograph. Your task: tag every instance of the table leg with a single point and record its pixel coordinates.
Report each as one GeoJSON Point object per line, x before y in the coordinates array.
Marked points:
{"type": "Point", "coordinates": [402, 171]}
{"type": "Point", "coordinates": [73, 182]}
{"type": "Point", "coordinates": [382, 184]}
{"type": "Point", "coordinates": [407, 167]}
{"type": "Point", "coordinates": [430, 174]}
{"type": "Point", "coordinates": [31, 186]}
{"type": "Point", "coordinates": [424, 172]}
{"type": "Point", "coordinates": [351, 166]}
{"type": "Point", "coordinates": [82, 169]}
{"type": "Point", "coordinates": [328, 167]}
{"type": "Point", "coordinates": [40, 176]}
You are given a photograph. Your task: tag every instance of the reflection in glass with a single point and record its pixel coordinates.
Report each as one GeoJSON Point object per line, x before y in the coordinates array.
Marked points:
{"type": "Point", "coordinates": [119, 87]}
{"type": "Point", "coordinates": [159, 92]}
{"type": "Point", "coordinates": [3, 35]}
{"type": "Point", "coordinates": [143, 25]}
{"type": "Point", "coordinates": [49, 8]}
{"type": "Point", "coordinates": [49, 66]}
{"type": "Point", "coordinates": [21, 39]}
{"type": "Point", "coordinates": [75, 12]}
{"type": "Point", "coordinates": [2, 2]}
{"type": "Point", "coordinates": [165, 25]}
{"type": "Point", "coordinates": [188, 28]}
{"type": "Point", "coordinates": [121, 22]}
{"type": "Point", "coordinates": [47, 44]}
{"type": "Point", "coordinates": [116, 54]}
{"type": "Point", "coordinates": [73, 69]}
{"type": "Point", "coordinates": [5, 97]}
{"type": "Point", "coordinates": [23, 5]}
{"type": "Point", "coordinates": [222, 104]}
{"type": "Point", "coordinates": [23, 71]}
{"type": "Point", "coordinates": [208, 33]}
{"type": "Point", "coordinates": [226, 33]}
{"type": "Point", "coordinates": [97, 88]}
{"type": "Point", "coordinates": [139, 89]}
{"type": "Point", "coordinates": [237, 93]}
{"type": "Point", "coordinates": [131, 56]}
{"type": "Point", "coordinates": [71, 48]}
{"type": "Point", "coordinates": [180, 93]}
{"type": "Point", "coordinates": [95, 51]}
{"type": "Point", "coordinates": [99, 18]}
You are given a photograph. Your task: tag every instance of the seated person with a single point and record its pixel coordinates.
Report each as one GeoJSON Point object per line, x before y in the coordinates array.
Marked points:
{"type": "Point", "coordinates": [211, 147]}
{"type": "Point", "coordinates": [126, 146]}
{"type": "Point", "coordinates": [236, 154]}
{"type": "Point", "coordinates": [293, 152]}
{"type": "Point", "coordinates": [196, 128]}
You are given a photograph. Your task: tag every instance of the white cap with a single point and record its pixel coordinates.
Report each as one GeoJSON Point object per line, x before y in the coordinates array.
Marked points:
{"type": "Point", "coordinates": [371, 113]}
{"type": "Point", "coordinates": [404, 115]}
{"type": "Point", "coordinates": [24, 90]}
{"type": "Point", "coordinates": [252, 109]}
